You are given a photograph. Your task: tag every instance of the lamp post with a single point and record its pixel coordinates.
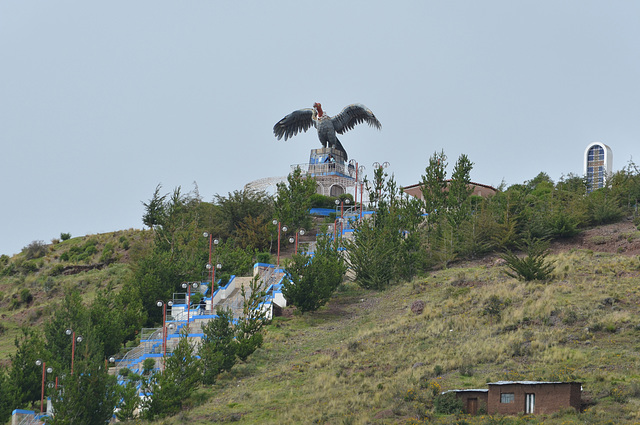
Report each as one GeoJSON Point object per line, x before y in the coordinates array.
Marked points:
{"type": "Point", "coordinates": [111, 360]}
{"type": "Point", "coordinates": [284, 229]}
{"type": "Point", "coordinates": [74, 339]}
{"type": "Point", "coordinates": [292, 239]}
{"type": "Point", "coordinates": [212, 269]}
{"type": "Point", "coordinates": [44, 370]}
{"type": "Point", "coordinates": [361, 170]}
{"type": "Point", "coordinates": [188, 286]}
{"type": "Point", "coordinates": [212, 243]}
{"type": "Point", "coordinates": [164, 305]}
{"type": "Point", "coordinates": [341, 202]}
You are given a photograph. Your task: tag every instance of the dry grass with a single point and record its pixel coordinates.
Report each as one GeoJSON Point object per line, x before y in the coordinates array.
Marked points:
{"type": "Point", "coordinates": [367, 359]}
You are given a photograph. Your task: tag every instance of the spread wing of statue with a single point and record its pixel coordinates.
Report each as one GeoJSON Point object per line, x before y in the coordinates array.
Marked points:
{"type": "Point", "coordinates": [327, 126]}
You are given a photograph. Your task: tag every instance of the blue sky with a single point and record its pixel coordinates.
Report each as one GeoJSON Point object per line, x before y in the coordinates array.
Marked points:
{"type": "Point", "coordinates": [102, 101]}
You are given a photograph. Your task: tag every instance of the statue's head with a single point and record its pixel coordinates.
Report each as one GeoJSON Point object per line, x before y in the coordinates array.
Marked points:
{"type": "Point", "coordinates": [318, 108]}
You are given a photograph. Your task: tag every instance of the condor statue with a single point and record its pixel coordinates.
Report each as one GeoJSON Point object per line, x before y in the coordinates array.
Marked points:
{"type": "Point", "coordinates": [327, 126]}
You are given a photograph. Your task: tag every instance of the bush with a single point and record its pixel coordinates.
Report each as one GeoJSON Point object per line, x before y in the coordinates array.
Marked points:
{"type": "Point", "coordinates": [148, 365]}
{"type": "Point", "coordinates": [26, 296]}
{"type": "Point", "coordinates": [90, 250]}
{"type": "Point", "coordinates": [29, 267]}
{"type": "Point", "coordinates": [65, 236]}
{"type": "Point", "coordinates": [263, 257]}
{"type": "Point", "coordinates": [534, 265]}
{"type": "Point", "coordinates": [35, 249]}
{"type": "Point", "coordinates": [448, 404]}
{"type": "Point", "coordinates": [56, 270]}
{"type": "Point", "coordinates": [107, 254]}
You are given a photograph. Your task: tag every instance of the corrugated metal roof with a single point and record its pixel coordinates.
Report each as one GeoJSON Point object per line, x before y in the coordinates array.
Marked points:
{"type": "Point", "coordinates": [481, 390]}
{"type": "Point", "coordinates": [530, 382]}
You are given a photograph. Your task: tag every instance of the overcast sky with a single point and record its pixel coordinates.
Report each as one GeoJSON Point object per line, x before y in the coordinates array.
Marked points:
{"type": "Point", "coordinates": [102, 101]}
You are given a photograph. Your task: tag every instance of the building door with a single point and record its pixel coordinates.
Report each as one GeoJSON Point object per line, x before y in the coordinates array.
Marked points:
{"type": "Point", "coordinates": [472, 406]}
{"type": "Point", "coordinates": [529, 403]}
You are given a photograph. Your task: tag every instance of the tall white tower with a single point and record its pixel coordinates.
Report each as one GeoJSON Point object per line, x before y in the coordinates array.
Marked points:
{"type": "Point", "coordinates": [598, 163]}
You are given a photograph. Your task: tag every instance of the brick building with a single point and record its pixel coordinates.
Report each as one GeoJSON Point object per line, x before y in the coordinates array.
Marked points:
{"type": "Point", "coordinates": [479, 189]}
{"type": "Point", "coordinates": [473, 401]}
{"type": "Point", "coordinates": [529, 397]}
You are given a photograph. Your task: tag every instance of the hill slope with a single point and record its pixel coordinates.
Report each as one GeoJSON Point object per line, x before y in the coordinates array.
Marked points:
{"type": "Point", "coordinates": [367, 358]}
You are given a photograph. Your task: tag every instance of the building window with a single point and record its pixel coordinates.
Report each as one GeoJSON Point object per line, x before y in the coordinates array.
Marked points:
{"type": "Point", "coordinates": [507, 398]}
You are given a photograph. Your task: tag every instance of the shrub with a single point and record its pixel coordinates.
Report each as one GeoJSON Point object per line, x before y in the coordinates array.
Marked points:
{"type": "Point", "coordinates": [65, 236]}
{"type": "Point", "coordinates": [107, 254]}
{"type": "Point", "coordinates": [64, 256]}
{"type": "Point", "coordinates": [90, 250]}
{"type": "Point", "coordinates": [534, 265]}
{"type": "Point", "coordinates": [29, 267]}
{"type": "Point", "coordinates": [148, 365]}
{"type": "Point", "coordinates": [48, 284]}
{"type": "Point", "coordinates": [448, 404]}
{"type": "Point", "coordinates": [35, 249]}
{"type": "Point", "coordinates": [25, 296]}
{"type": "Point", "coordinates": [466, 370]}
{"type": "Point", "coordinates": [263, 257]}
{"type": "Point", "coordinates": [56, 270]}
{"type": "Point", "coordinates": [493, 307]}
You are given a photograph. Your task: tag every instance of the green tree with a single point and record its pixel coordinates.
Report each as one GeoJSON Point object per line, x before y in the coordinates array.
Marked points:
{"type": "Point", "coordinates": [114, 319]}
{"type": "Point", "coordinates": [89, 396]}
{"type": "Point", "coordinates": [434, 185]}
{"type": "Point", "coordinates": [460, 189]}
{"type": "Point", "coordinates": [25, 375]}
{"type": "Point", "coordinates": [7, 397]}
{"type": "Point", "coordinates": [248, 330]}
{"type": "Point", "coordinates": [293, 200]}
{"type": "Point", "coordinates": [243, 216]}
{"type": "Point", "coordinates": [218, 346]}
{"type": "Point", "coordinates": [386, 246]}
{"type": "Point", "coordinates": [175, 385]}
{"type": "Point", "coordinates": [129, 397]}
{"type": "Point", "coordinates": [71, 314]}
{"type": "Point", "coordinates": [311, 281]}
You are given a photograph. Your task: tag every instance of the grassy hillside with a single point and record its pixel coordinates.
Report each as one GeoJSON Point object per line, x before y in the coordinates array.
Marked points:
{"type": "Point", "coordinates": [367, 358]}
{"type": "Point", "coordinates": [29, 288]}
